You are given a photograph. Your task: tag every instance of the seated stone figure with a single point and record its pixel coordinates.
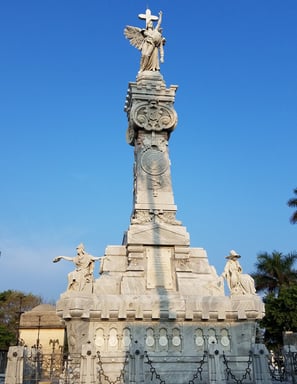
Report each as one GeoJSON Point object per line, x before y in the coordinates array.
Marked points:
{"type": "Point", "coordinates": [238, 283]}
{"type": "Point", "coordinates": [81, 279]}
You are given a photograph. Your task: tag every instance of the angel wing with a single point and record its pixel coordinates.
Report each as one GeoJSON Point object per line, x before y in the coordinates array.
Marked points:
{"type": "Point", "coordinates": [134, 34]}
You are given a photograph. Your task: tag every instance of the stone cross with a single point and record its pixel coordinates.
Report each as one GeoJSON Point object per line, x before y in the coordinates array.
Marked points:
{"type": "Point", "coordinates": [148, 16]}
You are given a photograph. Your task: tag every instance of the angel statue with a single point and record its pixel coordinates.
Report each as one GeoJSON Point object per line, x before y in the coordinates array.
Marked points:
{"type": "Point", "coordinates": [149, 41]}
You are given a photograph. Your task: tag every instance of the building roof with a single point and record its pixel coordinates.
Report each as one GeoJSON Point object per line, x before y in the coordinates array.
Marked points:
{"type": "Point", "coordinates": [42, 316]}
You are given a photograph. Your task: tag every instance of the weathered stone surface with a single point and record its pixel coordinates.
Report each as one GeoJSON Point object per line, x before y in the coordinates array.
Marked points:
{"type": "Point", "coordinates": [141, 305]}
{"type": "Point", "coordinates": [157, 234]}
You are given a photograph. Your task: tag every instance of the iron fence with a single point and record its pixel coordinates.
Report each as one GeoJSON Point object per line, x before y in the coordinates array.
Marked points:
{"type": "Point", "coordinates": [3, 360]}
{"type": "Point", "coordinates": [59, 368]}
{"type": "Point", "coordinates": [55, 368]}
{"type": "Point", "coordinates": [283, 366]}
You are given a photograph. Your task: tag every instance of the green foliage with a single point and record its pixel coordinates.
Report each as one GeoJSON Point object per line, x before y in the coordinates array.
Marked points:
{"type": "Point", "coordinates": [7, 338]}
{"type": "Point", "coordinates": [12, 305]}
{"type": "Point", "coordinates": [277, 278]}
{"type": "Point", "coordinates": [274, 271]}
{"type": "Point", "coordinates": [281, 315]}
{"type": "Point", "coordinates": [292, 203]}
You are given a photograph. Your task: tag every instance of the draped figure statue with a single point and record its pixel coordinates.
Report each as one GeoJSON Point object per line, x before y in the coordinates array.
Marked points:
{"type": "Point", "coordinates": [149, 41]}
{"type": "Point", "coordinates": [81, 279]}
{"type": "Point", "coordinates": [238, 282]}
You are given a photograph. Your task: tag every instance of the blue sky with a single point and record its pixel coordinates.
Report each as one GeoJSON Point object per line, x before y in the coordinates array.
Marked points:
{"type": "Point", "coordinates": [66, 170]}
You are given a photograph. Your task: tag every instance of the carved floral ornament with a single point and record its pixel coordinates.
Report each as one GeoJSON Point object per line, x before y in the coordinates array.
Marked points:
{"type": "Point", "coordinates": [152, 116]}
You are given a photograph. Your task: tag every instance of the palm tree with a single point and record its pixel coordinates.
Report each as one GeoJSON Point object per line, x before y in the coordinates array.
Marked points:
{"type": "Point", "coordinates": [275, 271]}
{"type": "Point", "coordinates": [292, 203]}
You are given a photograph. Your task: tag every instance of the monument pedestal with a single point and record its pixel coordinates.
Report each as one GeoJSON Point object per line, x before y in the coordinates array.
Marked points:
{"type": "Point", "coordinates": [162, 311]}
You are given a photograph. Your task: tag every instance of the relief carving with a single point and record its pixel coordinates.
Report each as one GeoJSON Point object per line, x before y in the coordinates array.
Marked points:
{"type": "Point", "coordinates": [183, 265]}
{"type": "Point", "coordinates": [152, 116]}
{"type": "Point", "coordinates": [154, 161]}
{"type": "Point", "coordinates": [156, 216]}
{"type": "Point", "coordinates": [168, 217]}
{"type": "Point", "coordinates": [142, 217]}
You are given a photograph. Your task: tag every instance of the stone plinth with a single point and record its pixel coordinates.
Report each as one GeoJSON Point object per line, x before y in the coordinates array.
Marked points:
{"type": "Point", "coordinates": [146, 313]}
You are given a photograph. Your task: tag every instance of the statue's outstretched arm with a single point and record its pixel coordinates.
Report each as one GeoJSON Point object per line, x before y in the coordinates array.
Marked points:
{"type": "Point", "coordinates": [58, 258]}
{"type": "Point", "coordinates": [95, 258]}
{"type": "Point", "coordinates": [159, 20]}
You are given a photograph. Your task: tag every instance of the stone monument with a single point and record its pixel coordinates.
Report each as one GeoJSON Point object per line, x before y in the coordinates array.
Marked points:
{"type": "Point", "coordinates": [158, 313]}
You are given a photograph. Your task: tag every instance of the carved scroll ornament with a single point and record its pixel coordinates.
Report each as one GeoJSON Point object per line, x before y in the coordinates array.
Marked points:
{"type": "Point", "coordinates": [153, 117]}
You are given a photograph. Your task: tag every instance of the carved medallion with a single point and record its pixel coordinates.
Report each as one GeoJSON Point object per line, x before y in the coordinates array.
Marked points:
{"type": "Point", "coordinates": [176, 341]}
{"type": "Point", "coordinates": [150, 341]}
{"type": "Point", "coordinates": [126, 341]}
{"type": "Point", "coordinates": [199, 341]}
{"type": "Point", "coordinates": [225, 341]}
{"type": "Point", "coordinates": [113, 341]}
{"type": "Point", "coordinates": [154, 162]}
{"type": "Point", "coordinates": [163, 341]}
{"type": "Point", "coordinates": [99, 341]}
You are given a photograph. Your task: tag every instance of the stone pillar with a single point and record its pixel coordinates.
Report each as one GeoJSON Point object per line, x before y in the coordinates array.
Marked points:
{"type": "Point", "coordinates": [151, 118]}
{"type": "Point", "coordinates": [260, 364]}
{"type": "Point", "coordinates": [88, 365]}
{"type": "Point", "coordinates": [136, 365]}
{"type": "Point", "coordinates": [15, 365]}
{"type": "Point", "coordinates": [215, 366]}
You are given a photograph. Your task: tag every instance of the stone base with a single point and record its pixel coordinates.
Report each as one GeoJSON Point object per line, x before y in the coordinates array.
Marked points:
{"type": "Point", "coordinates": [161, 312]}
{"type": "Point", "coordinates": [159, 306]}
